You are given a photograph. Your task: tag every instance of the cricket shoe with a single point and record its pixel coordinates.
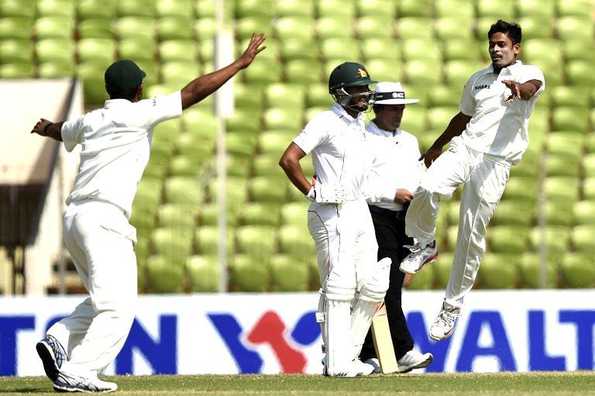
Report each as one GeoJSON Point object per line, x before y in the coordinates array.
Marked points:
{"type": "Point", "coordinates": [52, 355]}
{"type": "Point", "coordinates": [444, 324]}
{"type": "Point", "coordinates": [357, 369]}
{"type": "Point", "coordinates": [67, 382]}
{"type": "Point", "coordinates": [414, 360]}
{"type": "Point", "coordinates": [419, 256]}
{"type": "Point", "coordinates": [376, 363]}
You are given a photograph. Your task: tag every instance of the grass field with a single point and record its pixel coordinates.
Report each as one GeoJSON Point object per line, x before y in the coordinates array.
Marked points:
{"type": "Point", "coordinates": [575, 383]}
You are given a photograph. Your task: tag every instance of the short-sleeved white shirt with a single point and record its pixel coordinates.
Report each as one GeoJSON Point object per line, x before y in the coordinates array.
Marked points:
{"type": "Point", "coordinates": [497, 127]}
{"type": "Point", "coordinates": [337, 143]}
{"type": "Point", "coordinates": [116, 145]}
{"type": "Point", "coordinates": [395, 165]}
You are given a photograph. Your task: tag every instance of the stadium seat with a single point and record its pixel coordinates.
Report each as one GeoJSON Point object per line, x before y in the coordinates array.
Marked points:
{"type": "Point", "coordinates": [263, 214]}
{"type": "Point", "coordinates": [176, 215]}
{"type": "Point", "coordinates": [508, 239]}
{"type": "Point", "coordinates": [206, 239]}
{"type": "Point", "coordinates": [164, 276]}
{"type": "Point", "coordinates": [462, 50]}
{"type": "Point", "coordinates": [578, 72]}
{"type": "Point", "coordinates": [303, 70]}
{"type": "Point", "coordinates": [101, 50]}
{"type": "Point", "coordinates": [530, 272]}
{"type": "Point", "coordinates": [183, 190]}
{"type": "Point", "coordinates": [168, 28]}
{"type": "Point", "coordinates": [369, 27]}
{"type": "Point", "coordinates": [421, 49]}
{"type": "Point", "coordinates": [562, 165]}
{"type": "Point", "coordinates": [174, 244]}
{"type": "Point", "coordinates": [442, 267]}
{"type": "Point", "coordinates": [16, 51]}
{"type": "Point", "coordinates": [536, 8]}
{"type": "Point", "coordinates": [295, 240]}
{"type": "Point", "coordinates": [419, 28]}
{"type": "Point", "coordinates": [283, 118]}
{"type": "Point", "coordinates": [174, 8]}
{"type": "Point", "coordinates": [55, 70]}
{"type": "Point", "coordinates": [557, 213]}
{"type": "Point", "coordinates": [253, 8]}
{"type": "Point", "coordinates": [569, 96]}
{"type": "Point", "coordinates": [577, 271]}
{"type": "Point", "coordinates": [263, 73]}
{"type": "Point", "coordinates": [136, 8]}
{"type": "Point", "coordinates": [575, 28]}
{"type": "Point", "coordinates": [295, 27]}
{"type": "Point", "coordinates": [134, 26]}
{"type": "Point", "coordinates": [376, 8]}
{"type": "Point", "coordinates": [178, 50]}
{"type": "Point", "coordinates": [458, 72]}
{"type": "Point", "coordinates": [267, 165]}
{"type": "Point", "coordinates": [295, 213]}
{"type": "Point", "coordinates": [439, 117]}
{"type": "Point", "coordinates": [336, 27]}
{"type": "Point", "coordinates": [498, 271]}
{"type": "Point", "coordinates": [54, 27]}
{"type": "Point", "coordinates": [56, 50]}
{"type": "Point", "coordinates": [563, 189]}
{"type": "Point", "coordinates": [451, 28]}
{"type": "Point", "coordinates": [422, 72]}
{"type": "Point", "coordinates": [415, 8]}
{"type": "Point", "coordinates": [303, 8]}
{"type": "Point", "coordinates": [289, 274]}
{"type": "Point", "coordinates": [258, 241]}
{"type": "Point", "coordinates": [263, 189]}
{"type": "Point", "coordinates": [454, 9]}
{"type": "Point", "coordinates": [535, 27]}
{"type": "Point", "coordinates": [570, 119]}
{"type": "Point", "coordinates": [582, 238]}
{"type": "Point", "coordinates": [248, 274]}
{"type": "Point", "coordinates": [92, 9]}
{"type": "Point", "coordinates": [298, 49]}
{"type": "Point", "coordinates": [556, 239]}
{"type": "Point", "coordinates": [275, 142]}
{"type": "Point", "coordinates": [336, 50]}
{"type": "Point", "coordinates": [18, 8]}
{"type": "Point", "coordinates": [575, 50]}
{"type": "Point", "coordinates": [203, 273]}
{"type": "Point", "coordinates": [496, 9]}
{"type": "Point", "coordinates": [96, 28]}
{"type": "Point", "coordinates": [205, 29]}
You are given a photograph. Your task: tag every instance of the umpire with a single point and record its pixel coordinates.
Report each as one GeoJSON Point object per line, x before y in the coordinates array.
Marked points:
{"type": "Point", "coordinates": [396, 173]}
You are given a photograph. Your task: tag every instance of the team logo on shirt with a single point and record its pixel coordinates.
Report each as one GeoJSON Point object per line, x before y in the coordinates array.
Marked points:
{"type": "Point", "coordinates": [482, 86]}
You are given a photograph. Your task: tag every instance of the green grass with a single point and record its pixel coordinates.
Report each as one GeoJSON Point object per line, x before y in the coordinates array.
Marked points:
{"type": "Point", "coordinates": [575, 383]}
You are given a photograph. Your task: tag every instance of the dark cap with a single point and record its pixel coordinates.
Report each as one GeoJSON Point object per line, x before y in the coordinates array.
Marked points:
{"type": "Point", "coordinates": [123, 76]}
{"type": "Point", "coordinates": [349, 74]}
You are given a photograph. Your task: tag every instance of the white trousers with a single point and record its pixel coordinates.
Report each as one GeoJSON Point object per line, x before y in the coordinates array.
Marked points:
{"type": "Point", "coordinates": [484, 179]}
{"type": "Point", "coordinates": [100, 241]}
{"type": "Point", "coordinates": [345, 245]}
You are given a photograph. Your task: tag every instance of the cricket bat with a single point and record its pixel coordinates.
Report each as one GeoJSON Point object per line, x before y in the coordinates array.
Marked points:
{"type": "Point", "coordinates": [383, 342]}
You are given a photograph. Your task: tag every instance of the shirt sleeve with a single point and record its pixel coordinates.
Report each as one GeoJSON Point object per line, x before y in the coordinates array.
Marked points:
{"type": "Point", "coordinates": [72, 133]}
{"type": "Point", "coordinates": [532, 72]}
{"type": "Point", "coordinates": [162, 108]}
{"type": "Point", "coordinates": [311, 136]}
{"type": "Point", "coordinates": [467, 105]}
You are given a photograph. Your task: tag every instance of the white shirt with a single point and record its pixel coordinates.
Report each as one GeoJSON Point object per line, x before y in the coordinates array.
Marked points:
{"type": "Point", "coordinates": [496, 127]}
{"type": "Point", "coordinates": [337, 143]}
{"type": "Point", "coordinates": [116, 145]}
{"type": "Point", "coordinates": [395, 165]}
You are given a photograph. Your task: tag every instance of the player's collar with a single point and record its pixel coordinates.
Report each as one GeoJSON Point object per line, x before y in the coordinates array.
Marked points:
{"type": "Point", "coordinates": [386, 132]}
{"type": "Point", "coordinates": [516, 64]}
{"type": "Point", "coordinates": [110, 103]}
{"type": "Point", "coordinates": [342, 113]}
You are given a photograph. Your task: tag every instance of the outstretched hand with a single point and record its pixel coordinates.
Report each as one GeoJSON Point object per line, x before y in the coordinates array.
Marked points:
{"type": "Point", "coordinates": [514, 89]}
{"type": "Point", "coordinates": [41, 127]}
{"type": "Point", "coordinates": [430, 155]}
{"type": "Point", "coordinates": [253, 49]}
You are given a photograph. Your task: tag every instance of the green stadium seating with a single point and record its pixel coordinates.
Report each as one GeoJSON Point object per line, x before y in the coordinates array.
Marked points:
{"type": "Point", "coordinates": [91, 9]}
{"type": "Point", "coordinates": [206, 240]}
{"type": "Point", "coordinates": [415, 8]}
{"type": "Point", "coordinates": [496, 9]}
{"type": "Point", "coordinates": [418, 28]}
{"type": "Point", "coordinates": [508, 239]}
{"type": "Point", "coordinates": [454, 9]}
{"type": "Point", "coordinates": [256, 213]}
{"type": "Point", "coordinates": [579, 72]}
{"type": "Point", "coordinates": [136, 8]}
{"type": "Point", "coordinates": [442, 267]}
{"type": "Point", "coordinates": [377, 8]}
{"type": "Point", "coordinates": [97, 28]}
{"type": "Point", "coordinates": [182, 190]}
{"type": "Point", "coordinates": [514, 213]}
{"type": "Point", "coordinates": [134, 26]}
{"type": "Point", "coordinates": [450, 29]}
{"type": "Point", "coordinates": [498, 271]}
{"type": "Point", "coordinates": [171, 28]}
{"type": "Point", "coordinates": [530, 270]}
{"type": "Point", "coordinates": [18, 8]}
{"type": "Point", "coordinates": [249, 275]}
{"type": "Point", "coordinates": [295, 240]}
{"type": "Point", "coordinates": [16, 51]}
{"type": "Point", "coordinates": [56, 27]}
{"type": "Point", "coordinates": [174, 244]}
{"type": "Point", "coordinates": [582, 238]}
{"type": "Point", "coordinates": [56, 50]}
{"type": "Point", "coordinates": [176, 215]}
{"type": "Point", "coordinates": [205, 29]}
{"type": "Point", "coordinates": [288, 274]}
{"type": "Point", "coordinates": [577, 271]}
{"type": "Point", "coordinates": [423, 279]}
{"type": "Point", "coordinates": [203, 273]}
{"type": "Point", "coordinates": [535, 27]}
{"type": "Point", "coordinates": [100, 50]}
{"type": "Point", "coordinates": [164, 276]}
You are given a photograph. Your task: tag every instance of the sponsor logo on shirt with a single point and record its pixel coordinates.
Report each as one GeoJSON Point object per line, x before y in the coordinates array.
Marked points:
{"type": "Point", "coordinates": [482, 86]}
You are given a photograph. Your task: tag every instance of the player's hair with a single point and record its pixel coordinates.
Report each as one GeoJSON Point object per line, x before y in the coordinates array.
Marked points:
{"type": "Point", "coordinates": [513, 30]}
{"type": "Point", "coordinates": [115, 93]}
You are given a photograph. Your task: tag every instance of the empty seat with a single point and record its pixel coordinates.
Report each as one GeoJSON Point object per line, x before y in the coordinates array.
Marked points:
{"type": "Point", "coordinates": [265, 189]}
{"type": "Point", "coordinates": [256, 213]}
{"type": "Point", "coordinates": [163, 276]}
{"type": "Point", "coordinates": [508, 239]}
{"type": "Point", "coordinates": [295, 240]}
{"type": "Point", "coordinates": [173, 243]}
{"type": "Point", "coordinates": [207, 237]}
{"type": "Point", "coordinates": [577, 271]}
{"type": "Point", "coordinates": [423, 279]}
{"type": "Point", "coordinates": [249, 274]}
{"type": "Point", "coordinates": [289, 274]}
{"type": "Point", "coordinates": [183, 190]}
{"type": "Point", "coordinates": [582, 238]}
{"type": "Point", "coordinates": [498, 271]}
{"type": "Point", "coordinates": [258, 241]}
{"type": "Point", "coordinates": [203, 273]}
{"type": "Point", "coordinates": [530, 272]}
{"type": "Point", "coordinates": [176, 215]}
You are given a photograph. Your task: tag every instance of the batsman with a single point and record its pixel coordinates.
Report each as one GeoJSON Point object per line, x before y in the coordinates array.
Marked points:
{"type": "Point", "coordinates": [353, 283]}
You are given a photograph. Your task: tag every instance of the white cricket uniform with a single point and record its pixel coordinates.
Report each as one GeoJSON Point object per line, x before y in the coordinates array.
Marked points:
{"type": "Point", "coordinates": [116, 143]}
{"type": "Point", "coordinates": [343, 233]}
{"type": "Point", "coordinates": [480, 158]}
{"type": "Point", "coordinates": [395, 165]}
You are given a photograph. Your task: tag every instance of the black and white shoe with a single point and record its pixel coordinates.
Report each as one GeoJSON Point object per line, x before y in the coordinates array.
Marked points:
{"type": "Point", "coordinates": [74, 383]}
{"type": "Point", "coordinates": [52, 355]}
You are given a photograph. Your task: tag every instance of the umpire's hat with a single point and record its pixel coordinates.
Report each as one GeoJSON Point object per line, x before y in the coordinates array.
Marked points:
{"type": "Point", "coordinates": [390, 93]}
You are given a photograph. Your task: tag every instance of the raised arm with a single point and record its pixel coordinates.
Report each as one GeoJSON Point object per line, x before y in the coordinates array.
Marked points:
{"type": "Point", "coordinates": [290, 162]}
{"type": "Point", "coordinates": [48, 129]}
{"type": "Point", "coordinates": [524, 91]}
{"type": "Point", "coordinates": [455, 127]}
{"type": "Point", "coordinates": [203, 86]}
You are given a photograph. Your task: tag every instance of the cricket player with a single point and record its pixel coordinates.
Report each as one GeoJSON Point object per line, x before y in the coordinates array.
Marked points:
{"type": "Point", "coordinates": [397, 170]}
{"type": "Point", "coordinates": [353, 283]}
{"type": "Point", "coordinates": [116, 142]}
{"type": "Point", "coordinates": [487, 137]}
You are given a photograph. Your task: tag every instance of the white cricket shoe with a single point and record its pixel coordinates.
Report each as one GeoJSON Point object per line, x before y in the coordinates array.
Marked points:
{"type": "Point", "coordinates": [419, 256]}
{"type": "Point", "coordinates": [376, 363]}
{"type": "Point", "coordinates": [414, 360]}
{"type": "Point", "coordinates": [67, 382]}
{"type": "Point", "coordinates": [444, 324]}
{"type": "Point", "coordinates": [359, 369]}
{"type": "Point", "coordinates": [52, 355]}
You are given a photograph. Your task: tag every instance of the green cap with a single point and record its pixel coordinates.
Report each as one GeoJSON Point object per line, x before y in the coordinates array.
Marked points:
{"type": "Point", "coordinates": [349, 74]}
{"type": "Point", "coordinates": [123, 76]}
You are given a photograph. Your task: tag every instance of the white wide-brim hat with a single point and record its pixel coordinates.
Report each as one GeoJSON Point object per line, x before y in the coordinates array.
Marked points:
{"type": "Point", "coordinates": [391, 93]}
